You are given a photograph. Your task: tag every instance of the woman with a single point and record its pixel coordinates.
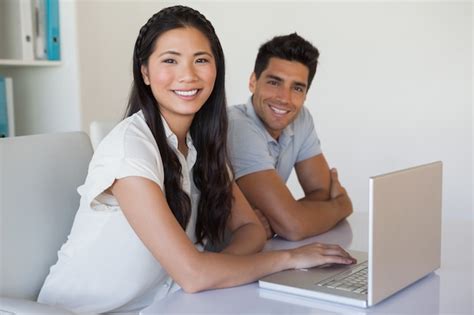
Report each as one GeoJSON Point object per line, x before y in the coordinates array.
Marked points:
{"type": "Point", "coordinates": [159, 186]}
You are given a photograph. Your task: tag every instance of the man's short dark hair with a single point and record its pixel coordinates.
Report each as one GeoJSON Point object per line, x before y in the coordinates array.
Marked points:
{"type": "Point", "coordinates": [290, 47]}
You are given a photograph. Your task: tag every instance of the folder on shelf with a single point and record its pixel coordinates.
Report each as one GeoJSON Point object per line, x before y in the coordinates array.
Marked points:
{"type": "Point", "coordinates": [26, 29]}
{"type": "Point", "coordinates": [39, 28]}
{"type": "Point", "coordinates": [10, 107]}
{"type": "Point", "coordinates": [16, 31]}
{"type": "Point", "coordinates": [51, 8]}
{"type": "Point", "coordinates": [7, 121]}
{"type": "Point", "coordinates": [3, 109]}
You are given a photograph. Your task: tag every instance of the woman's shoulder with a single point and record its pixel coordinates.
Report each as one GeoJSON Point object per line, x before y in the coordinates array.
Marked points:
{"type": "Point", "coordinates": [132, 126]}
{"type": "Point", "coordinates": [128, 150]}
{"type": "Point", "coordinates": [131, 138]}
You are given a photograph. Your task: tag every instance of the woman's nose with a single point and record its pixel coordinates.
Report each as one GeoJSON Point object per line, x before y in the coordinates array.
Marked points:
{"type": "Point", "coordinates": [187, 74]}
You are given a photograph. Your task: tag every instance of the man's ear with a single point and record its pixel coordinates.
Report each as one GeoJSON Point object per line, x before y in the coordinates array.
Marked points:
{"type": "Point", "coordinates": [253, 82]}
{"type": "Point", "coordinates": [145, 77]}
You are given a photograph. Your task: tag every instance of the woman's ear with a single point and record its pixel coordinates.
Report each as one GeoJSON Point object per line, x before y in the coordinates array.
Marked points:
{"type": "Point", "coordinates": [145, 77]}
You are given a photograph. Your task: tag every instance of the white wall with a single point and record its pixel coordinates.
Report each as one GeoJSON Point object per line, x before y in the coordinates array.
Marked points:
{"type": "Point", "coordinates": [394, 86]}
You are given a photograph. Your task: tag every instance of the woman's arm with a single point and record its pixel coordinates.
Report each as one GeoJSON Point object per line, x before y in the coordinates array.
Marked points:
{"type": "Point", "coordinates": [248, 234]}
{"type": "Point", "coordinates": [145, 207]}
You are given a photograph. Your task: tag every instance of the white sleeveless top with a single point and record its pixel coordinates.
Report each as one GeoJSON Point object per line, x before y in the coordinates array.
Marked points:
{"type": "Point", "coordinates": [104, 266]}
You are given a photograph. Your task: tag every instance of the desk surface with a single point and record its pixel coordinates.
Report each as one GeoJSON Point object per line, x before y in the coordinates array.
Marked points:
{"type": "Point", "coordinates": [449, 290]}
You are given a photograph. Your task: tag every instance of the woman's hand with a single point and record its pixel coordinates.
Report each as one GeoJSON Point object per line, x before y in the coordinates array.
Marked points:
{"type": "Point", "coordinates": [317, 254]}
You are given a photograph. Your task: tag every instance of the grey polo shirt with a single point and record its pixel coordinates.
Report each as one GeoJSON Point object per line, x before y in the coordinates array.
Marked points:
{"type": "Point", "coordinates": [252, 148]}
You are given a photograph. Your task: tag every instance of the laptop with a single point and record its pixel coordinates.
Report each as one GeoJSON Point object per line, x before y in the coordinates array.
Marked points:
{"type": "Point", "coordinates": [404, 243]}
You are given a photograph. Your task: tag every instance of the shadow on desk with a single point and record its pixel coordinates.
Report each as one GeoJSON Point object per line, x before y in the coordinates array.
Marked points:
{"type": "Point", "coordinates": [341, 235]}
{"type": "Point", "coordinates": [420, 298]}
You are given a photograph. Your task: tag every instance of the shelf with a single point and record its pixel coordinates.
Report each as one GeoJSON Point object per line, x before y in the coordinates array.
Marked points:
{"type": "Point", "coordinates": [42, 63]}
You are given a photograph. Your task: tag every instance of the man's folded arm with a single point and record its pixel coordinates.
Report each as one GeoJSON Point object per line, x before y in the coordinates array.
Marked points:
{"type": "Point", "coordinates": [324, 205]}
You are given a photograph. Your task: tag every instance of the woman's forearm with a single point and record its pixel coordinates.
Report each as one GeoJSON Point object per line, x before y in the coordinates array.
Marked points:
{"type": "Point", "coordinates": [218, 270]}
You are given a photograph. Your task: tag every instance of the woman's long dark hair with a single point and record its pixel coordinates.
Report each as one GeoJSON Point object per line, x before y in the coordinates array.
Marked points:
{"type": "Point", "coordinates": [208, 129]}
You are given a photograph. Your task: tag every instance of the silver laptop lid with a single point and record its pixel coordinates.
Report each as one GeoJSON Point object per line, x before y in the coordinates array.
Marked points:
{"type": "Point", "coordinates": [404, 228]}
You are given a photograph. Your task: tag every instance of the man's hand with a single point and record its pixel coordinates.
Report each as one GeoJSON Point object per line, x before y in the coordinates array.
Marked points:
{"type": "Point", "coordinates": [263, 219]}
{"type": "Point", "coordinates": [339, 193]}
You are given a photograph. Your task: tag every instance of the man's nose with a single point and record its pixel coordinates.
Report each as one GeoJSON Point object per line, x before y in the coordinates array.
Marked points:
{"type": "Point", "coordinates": [284, 95]}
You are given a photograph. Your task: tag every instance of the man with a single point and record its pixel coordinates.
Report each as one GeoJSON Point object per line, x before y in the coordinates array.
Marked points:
{"type": "Point", "coordinates": [273, 133]}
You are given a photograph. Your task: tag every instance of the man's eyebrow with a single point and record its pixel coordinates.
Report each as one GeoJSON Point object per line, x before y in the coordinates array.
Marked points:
{"type": "Point", "coordinates": [274, 77]}
{"type": "Point", "coordinates": [295, 83]}
{"type": "Point", "coordinates": [300, 84]}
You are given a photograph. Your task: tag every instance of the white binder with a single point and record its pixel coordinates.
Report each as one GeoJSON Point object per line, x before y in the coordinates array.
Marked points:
{"type": "Point", "coordinates": [16, 40]}
{"type": "Point", "coordinates": [39, 36]}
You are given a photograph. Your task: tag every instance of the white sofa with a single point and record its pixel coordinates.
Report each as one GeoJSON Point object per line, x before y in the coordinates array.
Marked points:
{"type": "Point", "coordinates": [39, 176]}
{"type": "Point", "coordinates": [98, 129]}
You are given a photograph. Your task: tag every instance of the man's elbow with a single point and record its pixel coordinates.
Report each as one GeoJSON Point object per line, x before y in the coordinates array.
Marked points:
{"type": "Point", "coordinates": [291, 230]}
{"type": "Point", "coordinates": [294, 236]}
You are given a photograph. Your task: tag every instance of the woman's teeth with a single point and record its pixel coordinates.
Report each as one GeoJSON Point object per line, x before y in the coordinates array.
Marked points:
{"type": "Point", "coordinates": [186, 93]}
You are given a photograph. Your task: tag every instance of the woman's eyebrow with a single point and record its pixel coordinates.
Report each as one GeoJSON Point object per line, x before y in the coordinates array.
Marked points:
{"type": "Point", "coordinates": [173, 52]}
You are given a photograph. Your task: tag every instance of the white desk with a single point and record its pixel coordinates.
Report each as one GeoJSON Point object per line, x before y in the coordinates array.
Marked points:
{"type": "Point", "coordinates": [447, 291]}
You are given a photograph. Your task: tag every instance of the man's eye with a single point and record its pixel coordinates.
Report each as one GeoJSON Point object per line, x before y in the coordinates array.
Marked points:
{"type": "Point", "coordinates": [299, 89]}
{"type": "Point", "coordinates": [273, 82]}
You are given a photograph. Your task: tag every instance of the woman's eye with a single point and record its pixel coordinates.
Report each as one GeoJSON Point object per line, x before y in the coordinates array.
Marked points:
{"type": "Point", "coordinates": [169, 60]}
{"type": "Point", "coordinates": [202, 60]}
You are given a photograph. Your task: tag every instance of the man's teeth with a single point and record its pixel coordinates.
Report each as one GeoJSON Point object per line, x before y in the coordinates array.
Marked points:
{"type": "Point", "coordinates": [278, 111]}
{"type": "Point", "coordinates": [186, 93]}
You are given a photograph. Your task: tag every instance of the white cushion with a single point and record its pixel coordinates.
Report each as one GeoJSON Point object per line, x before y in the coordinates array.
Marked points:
{"type": "Point", "coordinates": [39, 176]}
{"type": "Point", "coordinates": [11, 306]}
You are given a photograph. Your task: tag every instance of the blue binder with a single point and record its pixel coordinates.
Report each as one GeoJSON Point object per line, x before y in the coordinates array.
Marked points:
{"type": "Point", "coordinates": [51, 9]}
{"type": "Point", "coordinates": [3, 109]}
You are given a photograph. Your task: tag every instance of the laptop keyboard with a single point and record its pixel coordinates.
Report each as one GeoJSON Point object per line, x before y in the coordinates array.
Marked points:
{"type": "Point", "coordinates": [354, 280]}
